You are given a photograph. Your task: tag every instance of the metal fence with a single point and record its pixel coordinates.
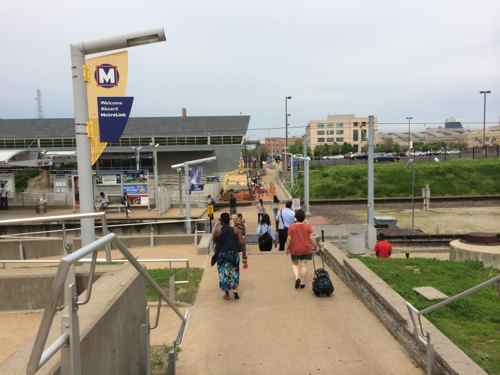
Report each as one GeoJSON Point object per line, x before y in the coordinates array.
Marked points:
{"type": "Point", "coordinates": [416, 317]}
{"type": "Point", "coordinates": [65, 285]}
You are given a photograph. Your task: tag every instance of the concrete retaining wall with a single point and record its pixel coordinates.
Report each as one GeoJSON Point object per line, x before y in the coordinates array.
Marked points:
{"type": "Point", "coordinates": [488, 255]}
{"type": "Point", "coordinates": [31, 290]}
{"type": "Point", "coordinates": [112, 340]}
{"type": "Point", "coordinates": [391, 309]}
{"type": "Point", "coordinates": [36, 248]}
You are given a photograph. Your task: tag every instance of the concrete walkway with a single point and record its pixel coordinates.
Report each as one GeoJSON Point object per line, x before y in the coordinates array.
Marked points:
{"type": "Point", "coordinates": [275, 329]}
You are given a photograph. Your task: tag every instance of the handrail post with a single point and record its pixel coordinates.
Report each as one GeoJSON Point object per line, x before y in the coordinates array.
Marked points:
{"type": "Point", "coordinates": [70, 352]}
{"type": "Point", "coordinates": [105, 231]}
{"type": "Point", "coordinates": [429, 355]}
{"type": "Point", "coordinates": [147, 344]}
{"type": "Point", "coordinates": [151, 236]}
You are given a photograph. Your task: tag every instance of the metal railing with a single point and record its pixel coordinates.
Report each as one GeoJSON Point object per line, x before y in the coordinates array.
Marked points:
{"type": "Point", "coordinates": [63, 219]}
{"type": "Point", "coordinates": [104, 227]}
{"type": "Point", "coordinates": [64, 283]}
{"type": "Point", "coordinates": [416, 317]}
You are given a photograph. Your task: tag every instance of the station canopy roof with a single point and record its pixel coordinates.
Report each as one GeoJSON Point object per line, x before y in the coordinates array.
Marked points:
{"type": "Point", "coordinates": [136, 126]}
{"type": "Point", "coordinates": [6, 155]}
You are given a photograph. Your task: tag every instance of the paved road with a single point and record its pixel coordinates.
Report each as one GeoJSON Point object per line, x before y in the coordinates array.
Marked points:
{"type": "Point", "coordinates": [275, 329]}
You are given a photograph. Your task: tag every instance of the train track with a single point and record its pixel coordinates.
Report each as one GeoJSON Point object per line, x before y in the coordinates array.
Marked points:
{"type": "Point", "coordinates": [423, 239]}
{"type": "Point", "coordinates": [461, 198]}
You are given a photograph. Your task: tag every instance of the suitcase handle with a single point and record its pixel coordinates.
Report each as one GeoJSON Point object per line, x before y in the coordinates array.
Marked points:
{"type": "Point", "coordinates": [322, 260]}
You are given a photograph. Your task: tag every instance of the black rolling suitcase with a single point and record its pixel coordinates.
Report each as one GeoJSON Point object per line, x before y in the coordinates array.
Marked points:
{"type": "Point", "coordinates": [322, 285]}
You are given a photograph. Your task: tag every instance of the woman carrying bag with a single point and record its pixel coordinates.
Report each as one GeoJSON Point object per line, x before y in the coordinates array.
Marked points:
{"type": "Point", "coordinates": [228, 244]}
{"type": "Point", "coordinates": [265, 233]}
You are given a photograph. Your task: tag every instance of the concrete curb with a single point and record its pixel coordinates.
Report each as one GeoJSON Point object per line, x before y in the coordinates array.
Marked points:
{"type": "Point", "coordinates": [391, 309]}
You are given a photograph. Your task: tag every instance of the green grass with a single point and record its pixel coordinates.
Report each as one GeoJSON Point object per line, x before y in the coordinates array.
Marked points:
{"type": "Point", "coordinates": [185, 293]}
{"type": "Point", "coordinates": [159, 358]}
{"type": "Point", "coordinates": [472, 323]}
{"type": "Point", "coordinates": [454, 177]}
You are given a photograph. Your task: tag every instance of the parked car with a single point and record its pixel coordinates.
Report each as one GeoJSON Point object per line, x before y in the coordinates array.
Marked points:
{"type": "Point", "coordinates": [332, 157]}
{"type": "Point", "coordinates": [382, 157]}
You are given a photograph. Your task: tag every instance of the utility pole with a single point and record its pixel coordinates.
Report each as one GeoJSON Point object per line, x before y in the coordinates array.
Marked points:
{"type": "Point", "coordinates": [39, 107]}
{"type": "Point", "coordinates": [409, 118]}
{"type": "Point", "coordinates": [484, 93]}
{"type": "Point", "coordinates": [371, 238]}
{"type": "Point", "coordinates": [287, 98]}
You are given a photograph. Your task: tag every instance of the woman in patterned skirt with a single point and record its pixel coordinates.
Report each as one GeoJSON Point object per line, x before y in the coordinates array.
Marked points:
{"type": "Point", "coordinates": [228, 244]}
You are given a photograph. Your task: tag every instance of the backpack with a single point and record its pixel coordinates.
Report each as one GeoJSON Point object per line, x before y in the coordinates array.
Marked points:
{"type": "Point", "coordinates": [322, 285]}
{"type": "Point", "coordinates": [265, 242]}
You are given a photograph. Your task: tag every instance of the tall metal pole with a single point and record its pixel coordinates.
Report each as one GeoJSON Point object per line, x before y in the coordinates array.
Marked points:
{"type": "Point", "coordinates": [409, 118]}
{"type": "Point", "coordinates": [286, 133]}
{"type": "Point", "coordinates": [286, 136]}
{"type": "Point", "coordinates": [138, 158]}
{"type": "Point", "coordinates": [484, 93]}
{"type": "Point", "coordinates": [307, 160]}
{"type": "Point", "coordinates": [188, 198]}
{"type": "Point", "coordinates": [157, 177]}
{"type": "Point", "coordinates": [80, 108]}
{"type": "Point", "coordinates": [413, 173]}
{"type": "Point", "coordinates": [371, 191]}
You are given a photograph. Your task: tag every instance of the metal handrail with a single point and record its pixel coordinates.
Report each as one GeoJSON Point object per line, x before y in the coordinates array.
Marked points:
{"type": "Point", "coordinates": [53, 218]}
{"type": "Point", "coordinates": [416, 316]}
{"type": "Point", "coordinates": [15, 235]}
{"type": "Point", "coordinates": [37, 354]}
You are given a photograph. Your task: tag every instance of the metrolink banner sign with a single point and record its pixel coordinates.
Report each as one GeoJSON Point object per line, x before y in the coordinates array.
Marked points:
{"type": "Point", "coordinates": [109, 109]}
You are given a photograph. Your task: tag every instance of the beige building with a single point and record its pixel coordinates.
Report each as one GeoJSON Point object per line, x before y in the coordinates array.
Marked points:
{"type": "Point", "coordinates": [339, 129]}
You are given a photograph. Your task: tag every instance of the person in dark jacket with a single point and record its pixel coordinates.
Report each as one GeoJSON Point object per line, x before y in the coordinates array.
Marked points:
{"type": "Point", "coordinates": [228, 244]}
{"type": "Point", "coordinates": [232, 204]}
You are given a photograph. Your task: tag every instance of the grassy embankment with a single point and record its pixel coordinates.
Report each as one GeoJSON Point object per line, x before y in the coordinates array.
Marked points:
{"type": "Point", "coordinates": [446, 178]}
{"type": "Point", "coordinates": [472, 323]}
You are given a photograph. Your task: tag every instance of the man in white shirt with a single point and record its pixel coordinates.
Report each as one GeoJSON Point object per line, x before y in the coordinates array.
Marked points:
{"type": "Point", "coordinates": [285, 218]}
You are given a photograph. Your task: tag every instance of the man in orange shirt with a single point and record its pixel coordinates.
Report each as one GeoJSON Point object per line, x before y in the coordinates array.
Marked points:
{"type": "Point", "coordinates": [383, 248]}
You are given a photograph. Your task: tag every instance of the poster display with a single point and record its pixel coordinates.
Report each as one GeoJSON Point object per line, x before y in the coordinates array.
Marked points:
{"type": "Point", "coordinates": [195, 174]}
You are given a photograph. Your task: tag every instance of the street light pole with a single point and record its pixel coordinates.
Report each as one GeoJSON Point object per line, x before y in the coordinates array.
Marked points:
{"type": "Point", "coordinates": [409, 118]}
{"type": "Point", "coordinates": [287, 98]}
{"type": "Point", "coordinates": [412, 183]}
{"type": "Point", "coordinates": [138, 158]}
{"type": "Point", "coordinates": [78, 53]}
{"type": "Point", "coordinates": [484, 93]}
{"type": "Point", "coordinates": [80, 107]}
{"type": "Point", "coordinates": [157, 177]}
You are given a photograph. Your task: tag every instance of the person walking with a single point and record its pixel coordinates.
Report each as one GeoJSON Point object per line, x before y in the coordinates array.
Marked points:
{"type": "Point", "coordinates": [4, 197]}
{"type": "Point", "coordinates": [274, 208]}
{"type": "Point", "coordinates": [261, 210]}
{"type": "Point", "coordinates": [239, 223]}
{"type": "Point", "coordinates": [210, 210]}
{"type": "Point", "coordinates": [265, 233]}
{"type": "Point", "coordinates": [126, 203]}
{"type": "Point", "coordinates": [300, 246]}
{"type": "Point", "coordinates": [232, 204]}
{"type": "Point", "coordinates": [285, 217]}
{"type": "Point", "coordinates": [228, 243]}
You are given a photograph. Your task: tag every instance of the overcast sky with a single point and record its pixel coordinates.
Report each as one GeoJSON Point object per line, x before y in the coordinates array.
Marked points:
{"type": "Point", "coordinates": [426, 58]}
